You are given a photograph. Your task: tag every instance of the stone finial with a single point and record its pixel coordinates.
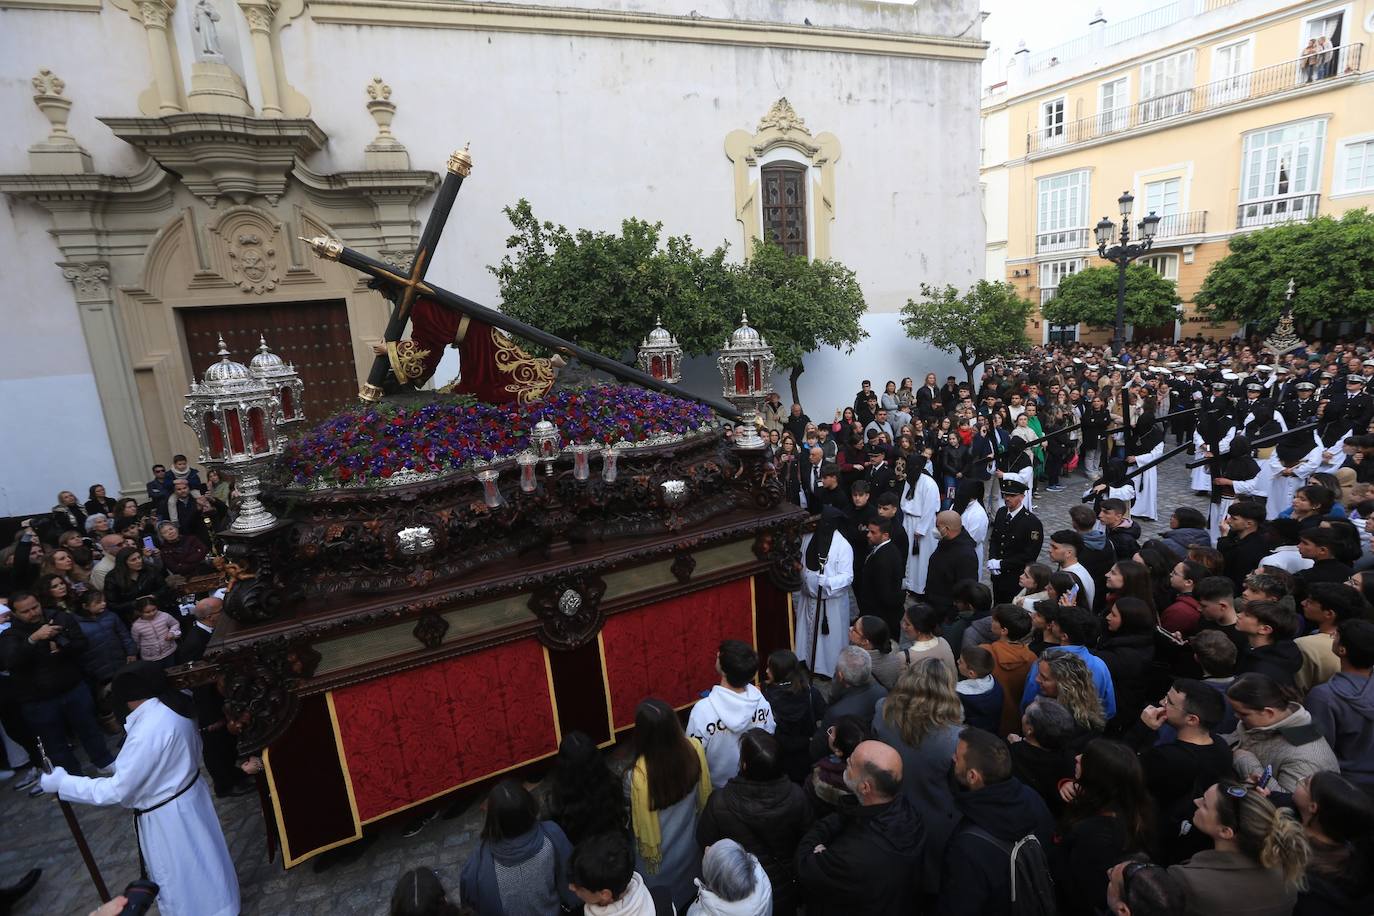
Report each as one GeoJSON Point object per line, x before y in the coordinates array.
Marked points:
{"type": "Point", "coordinates": [59, 154]}
{"type": "Point", "coordinates": [385, 151]}
{"type": "Point", "coordinates": [783, 117]}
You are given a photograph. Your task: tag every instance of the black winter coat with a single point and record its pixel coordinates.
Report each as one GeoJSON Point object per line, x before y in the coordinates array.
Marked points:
{"type": "Point", "coordinates": [795, 713]}
{"type": "Point", "coordinates": [36, 671]}
{"type": "Point", "coordinates": [870, 863]}
{"type": "Point", "coordinates": [1129, 657]}
{"type": "Point", "coordinates": [766, 818]}
{"type": "Point", "coordinates": [954, 560]}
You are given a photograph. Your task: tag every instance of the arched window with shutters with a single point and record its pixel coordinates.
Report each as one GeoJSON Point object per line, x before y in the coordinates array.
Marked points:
{"type": "Point", "coordinates": [784, 182]}
{"type": "Point", "coordinates": [784, 205]}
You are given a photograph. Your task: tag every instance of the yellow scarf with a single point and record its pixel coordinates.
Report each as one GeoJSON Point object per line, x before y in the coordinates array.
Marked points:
{"type": "Point", "coordinates": [644, 820]}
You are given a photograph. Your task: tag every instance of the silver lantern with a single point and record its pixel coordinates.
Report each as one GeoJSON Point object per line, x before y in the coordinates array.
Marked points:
{"type": "Point", "coordinates": [746, 369]}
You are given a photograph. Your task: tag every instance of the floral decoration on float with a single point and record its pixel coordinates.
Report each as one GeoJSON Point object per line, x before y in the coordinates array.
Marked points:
{"type": "Point", "coordinates": [403, 442]}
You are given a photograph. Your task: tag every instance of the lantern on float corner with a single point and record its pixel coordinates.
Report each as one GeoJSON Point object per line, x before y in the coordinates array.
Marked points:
{"type": "Point", "coordinates": [746, 368]}
{"type": "Point", "coordinates": [234, 416]}
{"type": "Point", "coordinates": [281, 377]}
{"type": "Point", "coordinates": [660, 355]}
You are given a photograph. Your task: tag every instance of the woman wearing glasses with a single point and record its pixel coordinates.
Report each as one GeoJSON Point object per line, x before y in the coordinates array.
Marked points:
{"type": "Point", "coordinates": [1257, 861]}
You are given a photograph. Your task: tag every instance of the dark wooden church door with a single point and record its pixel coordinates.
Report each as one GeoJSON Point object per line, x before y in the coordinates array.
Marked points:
{"type": "Point", "coordinates": [313, 335]}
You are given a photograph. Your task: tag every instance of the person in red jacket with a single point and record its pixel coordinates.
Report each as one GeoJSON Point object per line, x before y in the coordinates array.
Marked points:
{"type": "Point", "coordinates": [1184, 615]}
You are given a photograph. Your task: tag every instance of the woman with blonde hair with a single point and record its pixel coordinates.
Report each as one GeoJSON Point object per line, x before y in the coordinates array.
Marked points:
{"type": "Point", "coordinates": [922, 718]}
{"type": "Point", "coordinates": [1258, 858]}
{"type": "Point", "coordinates": [1063, 676]}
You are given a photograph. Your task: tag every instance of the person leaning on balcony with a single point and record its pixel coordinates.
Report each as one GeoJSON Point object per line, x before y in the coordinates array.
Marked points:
{"type": "Point", "coordinates": [1307, 66]}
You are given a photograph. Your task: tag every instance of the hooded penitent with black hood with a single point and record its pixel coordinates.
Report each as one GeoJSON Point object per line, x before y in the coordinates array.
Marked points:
{"type": "Point", "coordinates": [157, 773]}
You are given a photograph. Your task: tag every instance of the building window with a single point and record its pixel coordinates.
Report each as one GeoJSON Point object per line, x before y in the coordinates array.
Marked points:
{"type": "Point", "coordinates": [1321, 37]}
{"type": "Point", "coordinates": [784, 206]}
{"type": "Point", "coordinates": [1052, 272]}
{"type": "Point", "coordinates": [1062, 212]}
{"type": "Point", "coordinates": [1281, 173]}
{"type": "Point", "coordinates": [1166, 87]}
{"type": "Point", "coordinates": [1355, 166]}
{"type": "Point", "coordinates": [1166, 265]}
{"type": "Point", "coordinates": [1162, 197]}
{"type": "Point", "coordinates": [1052, 122]}
{"type": "Point", "coordinates": [1113, 105]}
{"type": "Point", "coordinates": [1231, 71]}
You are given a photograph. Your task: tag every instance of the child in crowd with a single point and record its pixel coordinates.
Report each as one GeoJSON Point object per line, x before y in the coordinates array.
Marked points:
{"type": "Point", "coordinates": [980, 695]}
{"type": "Point", "coordinates": [155, 633]}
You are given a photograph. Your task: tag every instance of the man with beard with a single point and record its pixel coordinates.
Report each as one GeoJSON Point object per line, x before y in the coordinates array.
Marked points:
{"type": "Point", "coordinates": [997, 811]}
{"type": "Point", "coordinates": [865, 858]}
{"type": "Point", "coordinates": [822, 605]}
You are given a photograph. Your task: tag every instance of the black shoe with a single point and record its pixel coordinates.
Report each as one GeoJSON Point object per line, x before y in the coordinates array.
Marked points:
{"type": "Point", "coordinates": [8, 895]}
{"type": "Point", "coordinates": [419, 823]}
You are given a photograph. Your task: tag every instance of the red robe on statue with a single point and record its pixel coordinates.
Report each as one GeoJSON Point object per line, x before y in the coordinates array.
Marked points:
{"type": "Point", "coordinates": [492, 366]}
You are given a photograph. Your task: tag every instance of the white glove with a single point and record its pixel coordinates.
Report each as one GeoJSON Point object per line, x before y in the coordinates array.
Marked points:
{"type": "Point", "coordinates": [50, 781]}
{"type": "Point", "coordinates": [994, 566]}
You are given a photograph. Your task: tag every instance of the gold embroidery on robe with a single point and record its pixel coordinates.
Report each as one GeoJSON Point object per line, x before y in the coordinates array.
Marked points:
{"type": "Point", "coordinates": [533, 377]}
{"type": "Point", "coordinates": [407, 360]}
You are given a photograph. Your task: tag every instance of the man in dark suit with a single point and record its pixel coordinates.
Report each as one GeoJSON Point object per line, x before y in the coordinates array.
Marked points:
{"type": "Point", "coordinates": [811, 479]}
{"type": "Point", "coordinates": [219, 750]}
{"type": "Point", "coordinates": [879, 588]}
{"type": "Point", "coordinates": [879, 474]}
{"type": "Point", "coordinates": [1015, 541]}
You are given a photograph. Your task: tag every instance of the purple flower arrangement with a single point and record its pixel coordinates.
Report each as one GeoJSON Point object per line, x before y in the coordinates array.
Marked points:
{"type": "Point", "coordinates": [372, 443]}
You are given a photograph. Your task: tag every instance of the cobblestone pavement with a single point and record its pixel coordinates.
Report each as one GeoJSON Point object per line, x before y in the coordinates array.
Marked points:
{"type": "Point", "coordinates": [33, 833]}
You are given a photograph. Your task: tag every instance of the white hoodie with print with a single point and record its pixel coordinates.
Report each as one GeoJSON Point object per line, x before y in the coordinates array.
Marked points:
{"type": "Point", "coordinates": [718, 721]}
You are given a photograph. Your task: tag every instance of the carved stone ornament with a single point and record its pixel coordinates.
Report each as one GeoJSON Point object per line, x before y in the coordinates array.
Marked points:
{"type": "Point", "coordinates": [154, 14]}
{"type": "Point", "coordinates": [378, 90]}
{"type": "Point", "coordinates": [783, 117]}
{"type": "Point", "coordinates": [430, 630]}
{"type": "Point", "coordinates": [91, 281]}
{"type": "Point", "coordinates": [259, 18]}
{"type": "Point", "coordinates": [569, 610]}
{"type": "Point", "coordinates": [48, 83]}
{"type": "Point", "coordinates": [254, 263]}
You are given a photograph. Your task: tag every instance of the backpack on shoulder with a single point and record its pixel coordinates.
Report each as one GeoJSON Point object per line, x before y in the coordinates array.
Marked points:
{"type": "Point", "coordinates": [1032, 887]}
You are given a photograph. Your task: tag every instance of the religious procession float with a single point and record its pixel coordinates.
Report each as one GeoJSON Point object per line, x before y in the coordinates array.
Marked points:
{"type": "Point", "coordinates": [431, 588]}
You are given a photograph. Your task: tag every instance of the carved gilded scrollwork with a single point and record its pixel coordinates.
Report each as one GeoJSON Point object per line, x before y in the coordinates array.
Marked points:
{"type": "Point", "coordinates": [260, 695]}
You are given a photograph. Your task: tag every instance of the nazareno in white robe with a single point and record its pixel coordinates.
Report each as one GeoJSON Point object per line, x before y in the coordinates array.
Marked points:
{"type": "Point", "coordinates": [1202, 475]}
{"type": "Point", "coordinates": [1281, 487]}
{"type": "Point", "coordinates": [1147, 484]}
{"type": "Point", "coordinates": [182, 841]}
{"type": "Point", "coordinates": [836, 579]}
{"type": "Point", "coordinates": [920, 508]}
{"type": "Point", "coordinates": [976, 524]}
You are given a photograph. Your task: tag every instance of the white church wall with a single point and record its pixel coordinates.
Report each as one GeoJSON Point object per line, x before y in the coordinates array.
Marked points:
{"type": "Point", "coordinates": [590, 130]}
{"type": "Point", "coordinates": [54, 431]}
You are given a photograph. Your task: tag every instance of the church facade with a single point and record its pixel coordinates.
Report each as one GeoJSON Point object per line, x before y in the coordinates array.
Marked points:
{"type": "Point", "coordinates": [163, 158]}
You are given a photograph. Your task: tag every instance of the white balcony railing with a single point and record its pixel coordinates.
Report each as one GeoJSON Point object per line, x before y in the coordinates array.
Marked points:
{"type": "Point", "coordinates": [1287, 208]}
{"type": "Point", "coordinates": [1297, 74]}
{"type": "Point", "coordinates": [1062, 240]}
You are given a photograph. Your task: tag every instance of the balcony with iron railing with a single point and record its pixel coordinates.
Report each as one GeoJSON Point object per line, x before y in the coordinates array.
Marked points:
{"type": "Point", "coordinates": [1312, 72]}
{"type": "Point", "coordinates": [1181, 225]}
{"type": "Point", "coordinates": [1284, 208]}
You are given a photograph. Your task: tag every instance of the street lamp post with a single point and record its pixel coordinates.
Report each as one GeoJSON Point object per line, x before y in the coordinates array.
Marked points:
{"type": "Point", "coordinates": [1122, 254]}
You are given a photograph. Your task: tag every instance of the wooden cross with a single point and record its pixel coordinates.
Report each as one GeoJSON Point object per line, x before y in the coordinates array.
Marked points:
{"type": "Point", "coordinates": [413, 283]}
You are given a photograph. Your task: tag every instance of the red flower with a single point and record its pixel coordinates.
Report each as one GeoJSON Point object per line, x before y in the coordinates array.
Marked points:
{"type": "Point", "coordinates": [386, 472]}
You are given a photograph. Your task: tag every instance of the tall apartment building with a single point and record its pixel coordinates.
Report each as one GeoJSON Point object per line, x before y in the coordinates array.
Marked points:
{"type": "Point", "coordinates": [1220, 116]}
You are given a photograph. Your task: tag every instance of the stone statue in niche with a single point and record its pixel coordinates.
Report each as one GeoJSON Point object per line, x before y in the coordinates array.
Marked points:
{"type": "Point", "coordinates": [204, 17]}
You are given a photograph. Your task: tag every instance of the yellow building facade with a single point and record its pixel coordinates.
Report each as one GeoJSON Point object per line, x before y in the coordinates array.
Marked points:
{"type": "Point", "coordinates": [1220, 116]}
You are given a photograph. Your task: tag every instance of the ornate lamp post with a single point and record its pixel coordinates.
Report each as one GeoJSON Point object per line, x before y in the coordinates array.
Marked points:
{"type": "Point", "coordinates": [1122, 254]}
{"type": "Point", "coordinates": [660, 355]}
{"type": "Point", "coordinates": [746, 368]}
{"type": "Point", "coordinates": [235, 417]}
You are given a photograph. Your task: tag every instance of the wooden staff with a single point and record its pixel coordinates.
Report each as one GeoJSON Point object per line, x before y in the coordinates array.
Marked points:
{"type": "Point", "coordinates": [77, 833]}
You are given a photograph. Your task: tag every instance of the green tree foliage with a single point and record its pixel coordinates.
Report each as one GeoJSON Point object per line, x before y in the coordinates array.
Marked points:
{"type": "Point", "coordinates": [1089, 296]}
{"type": "Point", "coordinates": [604, 290]}
{"type": "Point", "coordinates": [987, 321]}
{"type": "Point", "coordinates": [1331, 260]}
{"type": "Point", "coordinates": [801, 305]}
